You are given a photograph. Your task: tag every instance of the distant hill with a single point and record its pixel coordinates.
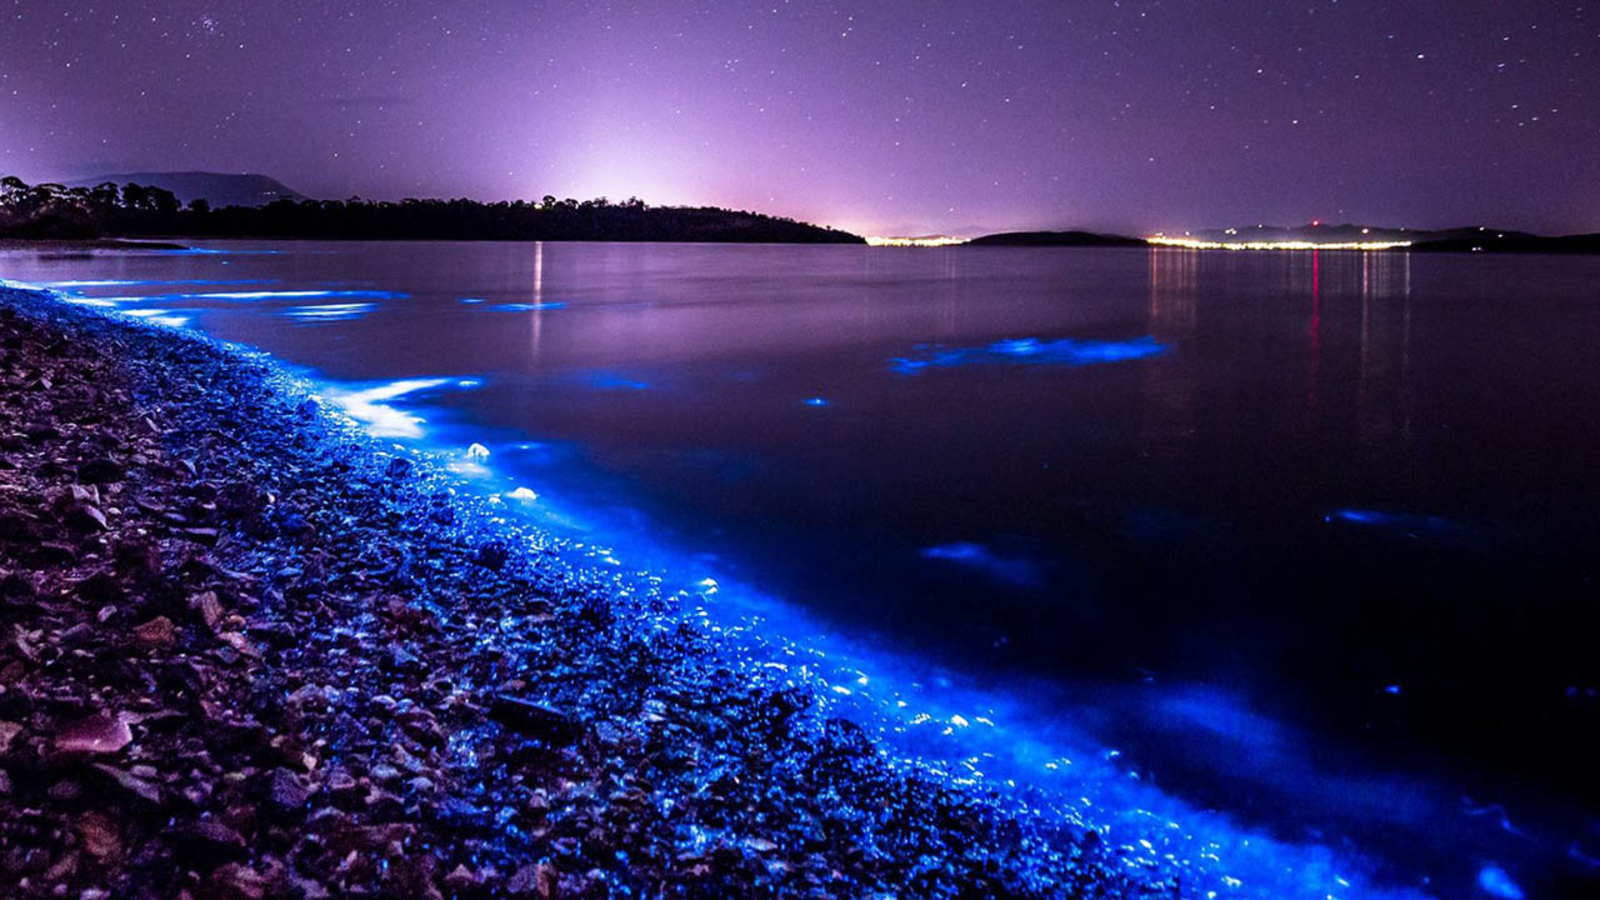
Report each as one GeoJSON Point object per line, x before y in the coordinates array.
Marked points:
{"type": "Point", "coordinates": [1511, 242]}
{"type": "Point", "coordinates": [1350, 233]}
{"type": "Point", "coordinates": [1470, 239]}
{"type": "Point", "coordinates": [217, 188]}
{"type": "Point", "coordinates": [1055, 239]}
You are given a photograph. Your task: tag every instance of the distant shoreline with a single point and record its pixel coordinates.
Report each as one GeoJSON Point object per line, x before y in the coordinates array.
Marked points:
{"type": "Point", "coordinates": [86, 244]}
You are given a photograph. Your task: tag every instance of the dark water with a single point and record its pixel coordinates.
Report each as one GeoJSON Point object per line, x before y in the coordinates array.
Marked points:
{"type": "Point", "coordinates": [1310, 539]}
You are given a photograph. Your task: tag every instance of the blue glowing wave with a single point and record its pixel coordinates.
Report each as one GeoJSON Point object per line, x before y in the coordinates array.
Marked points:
{"type": "Point", "coordinates": [1027, 351]}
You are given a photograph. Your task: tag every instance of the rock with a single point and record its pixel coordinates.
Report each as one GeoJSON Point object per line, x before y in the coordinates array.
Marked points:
{"type": "Point", "coordinates": [462, 879]}
{"type": "Point", "coordinates": [288, 793]}
{"type": "Point", "coordinates": [234, 881]}
{"type": "Point", "coordinates": [130, 785]}
{"type": "Point", "coordinates": [8, 733]}
{"type": "Point", "coordinates": [208, 607]}
{"type": "Point", "coordinates": [399, 467]}
{"type": "Point", "coordinates": [533, 881]}
{"type": "Point", "coordinates": [100, 837]}
{"type": "Point", "coordinates": [207, 841]}
{"type": "Point", "coordinates": [492, 555]}
{"type": "Point", "coordinates": [535, 720]}
{"type": "Point", "coordinates": [101, 588]}
{"type": "Point", "coordinates": [155, 634]}
{"type": "Point", "coordinates": [99, 471]}
{"type": "Point", "coordinates": [85, 517]}
{"type": "Point", "coordinates": [97, 734]}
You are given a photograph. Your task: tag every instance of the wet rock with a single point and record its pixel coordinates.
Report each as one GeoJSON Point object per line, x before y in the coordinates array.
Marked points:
{"type": "Point", "coordinates": [534, 719]}
{"type": "Point", "coordinates": [101, 588]}
{"type": "Point", "coordinates": [492, 555]}
{"type": "Point", "coordinates": [155, 634]}
{"type": "Point", "coordinates": [206, 841]}
{"type": "Point", "coordinates": [128, 786]}
{"type": "Point", "coordinates": [85, 517]}
{"type": "Point", "coordinates": [534, 881]}
{"type": "Point", "coordinates": [99, 734]}
{"type": "Point", "coordinates": [398, 468]}
{"type": "Point", "coordinates": [235, 881]}
{"type": "Point", "coordinates": [99, 471]}
{"type": "Point", "coordinates": [208, 608]}
{"type": "Point", "coordinates": [100, 836]}
{"type": "Point", "coordinates": [287, 793]}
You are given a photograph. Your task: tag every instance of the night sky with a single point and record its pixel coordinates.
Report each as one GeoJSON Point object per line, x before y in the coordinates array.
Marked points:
{"type": "Point", "coordinates": [896, 116]}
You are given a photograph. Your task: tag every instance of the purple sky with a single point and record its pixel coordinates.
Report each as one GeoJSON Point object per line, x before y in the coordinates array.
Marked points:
{"type": "Point", "coordinates": [897, 116]}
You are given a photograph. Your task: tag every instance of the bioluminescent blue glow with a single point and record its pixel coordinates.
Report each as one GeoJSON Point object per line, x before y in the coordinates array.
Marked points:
{"type": "Point", "coordinates": [211, 251]}
{"type": "Point", "coordinates": [160, 317]}
{"type": "Point", "coordinates": [1496, 882]}
{"type": "Point", "coordinates": [966, 735]}
{"type": "Point", "coordinates": [296, 295]}
{"type": "Point", "coordinates": [242, 295]}
{"type": "Point", "coordinates": [1409, 523]}
{"type": "Point", "coordinates": [370, 405]}
{"type": "Point", "coordinates": [526, 307]}
{"type": "Point", "coordinates": [472, 300]}
{"type": "Point", "coordinates": [612, 381]}
{"type": "Point", "coordinates": [1026, 351]}
{"type": "Point", "coordinates": [816, 401]}
{"type": "Point", "coordinates": [1012, 570]}
{"type": "Point", "coordinates": [330, 312]}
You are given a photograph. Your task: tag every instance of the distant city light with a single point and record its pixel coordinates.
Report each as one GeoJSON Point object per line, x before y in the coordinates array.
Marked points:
{"type": "Point", "coordinates": [1193, 244]}
{"type": "Point", "coordinates": [931, 240]}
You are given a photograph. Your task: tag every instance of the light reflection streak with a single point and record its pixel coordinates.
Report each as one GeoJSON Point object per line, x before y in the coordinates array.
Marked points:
{"type": "Point", "coordinates": [1195, 244]}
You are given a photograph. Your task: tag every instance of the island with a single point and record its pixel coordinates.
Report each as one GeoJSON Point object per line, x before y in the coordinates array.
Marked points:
{"type": "Point", "coordinates": [56, 212]}
{"type": "Point", "coordinates": [1055, 239]}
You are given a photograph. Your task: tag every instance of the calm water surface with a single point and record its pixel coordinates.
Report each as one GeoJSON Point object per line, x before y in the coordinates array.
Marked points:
{"type": "Point", "coordinates": [1307, 538]}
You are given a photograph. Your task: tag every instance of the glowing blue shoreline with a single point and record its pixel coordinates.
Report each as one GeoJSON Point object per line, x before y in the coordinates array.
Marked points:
{"type": "Point", "coordinates": [963, 736]}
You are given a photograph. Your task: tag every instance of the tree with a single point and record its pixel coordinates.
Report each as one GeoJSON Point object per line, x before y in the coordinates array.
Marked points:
{"type": "Point", "coordinates": [200, 206]}
{"type": "Point", "coordinates": [164, 201]}
{"type": "Point", "coordinates": [135, 196]}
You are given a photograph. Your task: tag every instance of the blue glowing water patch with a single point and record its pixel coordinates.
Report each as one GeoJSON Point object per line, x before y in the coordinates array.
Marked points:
{"type": "Point", "coordinates": [1011, 570]}
{"type": "Point", "coordinates": [1408, 523]}
{"type": "Point", "coordinates": [612, 381]}
{"type": "Point", "coordinates": [472, 300]}
{"type": "Point", "coordinates": [1497, 883]}
{"type": "Point", "coordinates": [816, 401]}
{"type": "Point", "coordinates": [526, 307]}
{"type": "Point", "coordinates": [210, 251]}
{"type": "Point", "coordinates": [167, 317]}
{"type": "Point", "coordinates": [1026, 351]}
{"type": "Point", "coordinates": [330, 312]}
{"type": "Point", "coordinates": [372, 405]}
{"type": "Point", "coordinates": [296, 295]}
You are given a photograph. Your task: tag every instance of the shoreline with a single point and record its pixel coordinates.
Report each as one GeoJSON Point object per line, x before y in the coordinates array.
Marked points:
{"type": "Point", "coordinates": [258, 653]}
{"type": "Point", "coordinates": [67, 244]}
